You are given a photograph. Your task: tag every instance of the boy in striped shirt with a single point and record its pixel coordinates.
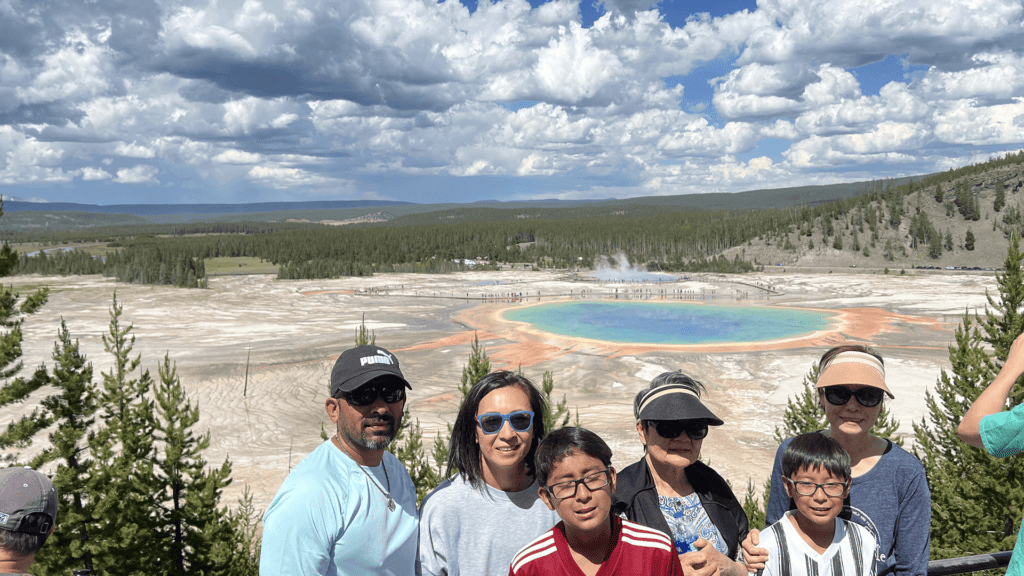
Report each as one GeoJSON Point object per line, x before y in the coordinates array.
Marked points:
{"type": "Point", "coordinates": [573, 467]}
{"type": "Point", "coordinates": [812, 540]}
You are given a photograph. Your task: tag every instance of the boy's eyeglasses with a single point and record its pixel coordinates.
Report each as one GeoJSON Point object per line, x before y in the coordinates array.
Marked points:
{"type": "Point", "coordinates": [669, 429]}
{"type": "Point", "coordinates": [804, 488]}
{"type": "Point", "coordinates": [567, 489]}
{"type": "Point", "coordinates": [868, 397]}
{"type": "Point", "coordinates": [368, 394]}
{"type": "Point", "coordinates": [491, 423]}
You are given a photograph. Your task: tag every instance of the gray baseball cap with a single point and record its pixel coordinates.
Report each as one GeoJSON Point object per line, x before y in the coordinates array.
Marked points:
{"type": "Point", "coordinates": [24, 491]}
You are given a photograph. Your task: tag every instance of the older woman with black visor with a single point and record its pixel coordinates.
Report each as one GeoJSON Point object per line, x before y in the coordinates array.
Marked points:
{"type": "Point", "coordinates": [889, 492]}
{"type": "Point", "coordinates": [670, 490]}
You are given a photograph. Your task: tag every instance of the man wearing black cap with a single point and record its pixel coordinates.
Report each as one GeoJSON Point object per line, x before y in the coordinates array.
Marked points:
{"type": "Point", "coordinates": [349, 507]}
{"type": "Point", "coordinates": [28, 514]}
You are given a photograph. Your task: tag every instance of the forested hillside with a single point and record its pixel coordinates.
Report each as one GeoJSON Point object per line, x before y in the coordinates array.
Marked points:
{"type": "Point", "coordinates": [961, 218]}
{"type": "Point", "coordinates": [956, 218]}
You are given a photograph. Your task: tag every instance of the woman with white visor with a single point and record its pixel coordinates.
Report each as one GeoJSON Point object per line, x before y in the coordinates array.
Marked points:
{"type": "Point", "coordinates": [889, 493]}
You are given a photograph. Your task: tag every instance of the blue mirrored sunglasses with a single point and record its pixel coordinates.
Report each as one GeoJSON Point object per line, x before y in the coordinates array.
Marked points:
{"type": "Point", "coordinates": [491, 422]}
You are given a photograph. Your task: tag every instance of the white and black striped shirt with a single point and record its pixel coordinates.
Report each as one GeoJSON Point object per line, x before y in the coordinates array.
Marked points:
{"type": "Point", "coordinates": [852, 552]}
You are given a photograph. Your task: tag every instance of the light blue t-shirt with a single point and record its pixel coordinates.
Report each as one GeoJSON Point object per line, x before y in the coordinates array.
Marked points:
{"type": "Point", "coordinates": [1002, 434]}
{"type": "Point", "coordinates": [329, 518]}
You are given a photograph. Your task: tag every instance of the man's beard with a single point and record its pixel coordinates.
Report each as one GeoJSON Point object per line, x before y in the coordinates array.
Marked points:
{"type": "Point", "coordinates": [378, 440]}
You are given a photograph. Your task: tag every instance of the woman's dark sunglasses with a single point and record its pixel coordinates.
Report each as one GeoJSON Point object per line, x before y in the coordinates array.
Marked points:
{"type": "Point", "coordinates": [868, 397]}
{"type": "Point", "coordinates": [491, 423]}
{"type": "Point", "coordinates": [368, 394]}
{"type": "Point", "coordinates": [669, 429]}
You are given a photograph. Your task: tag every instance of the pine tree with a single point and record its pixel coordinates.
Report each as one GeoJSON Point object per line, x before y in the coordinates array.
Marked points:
{"type": "Point", "coordinates": [73, 544]}
{"type": "Point", "coordinates": [977, 500]}
{"type": "Point", "coordinates": [19, 433]}
{"type": "Point", "coordinates": [195, 533]}
{"type": "Point", "coordinates": [555, 415]}
{"type": "Point", "coordinates": [8, 257]}
{"type": "Point", "coordinates": [969, 240]}
{"type": "Point", "coordinates": [803, 413]}
{"type": "Point", "coordinates": [478, 367]}
{"type": "Point", "coordinates": [935, 244]}
{"type": "Point", "coordinates": [247, 518]}
{"type": "Point", "coordinates": [755, 505]}
{"type": "Point", "coordinates": [123, 483]}
{"type": "Point", "coordinates": [1000, 197]}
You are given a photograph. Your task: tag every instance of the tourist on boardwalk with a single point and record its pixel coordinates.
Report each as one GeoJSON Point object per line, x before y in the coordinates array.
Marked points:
{"type": "Point", "coordinates": [999, 432]}
{"type": "Point", "coordinates": [812, 540]}
{"type": "Point", "coordinates": [670, 490]}
{"type": "Point", "coordinates": [574, 469]}
{"type": "Point", "coordinates": [889, 493]}
{"type": "Point", "coordinates": [28, 515]}
{"type": "Point", "coordinates": [476, 520]}
{"type": "Point", "coordinates": [349, 507]}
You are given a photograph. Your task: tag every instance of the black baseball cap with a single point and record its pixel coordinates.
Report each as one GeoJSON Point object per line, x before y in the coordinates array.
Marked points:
{"type": "Point", "coordinates": [357, 366]}
{"type": "Point", "coordinates": [23, 492]}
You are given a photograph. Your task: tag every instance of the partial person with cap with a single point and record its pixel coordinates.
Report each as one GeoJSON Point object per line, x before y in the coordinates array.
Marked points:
{"type": "Point", "coordinates": [670, 490]}
{"type": "Point", "coordinates": [28, 515]}
{"type": "Point", "coordinates": [889, 492]}
{"type": "Point", "coordinates": [349, 507]}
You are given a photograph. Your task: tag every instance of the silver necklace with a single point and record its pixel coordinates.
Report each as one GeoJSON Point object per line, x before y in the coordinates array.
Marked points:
{"type": "Point", "coordinates": [387, 494]}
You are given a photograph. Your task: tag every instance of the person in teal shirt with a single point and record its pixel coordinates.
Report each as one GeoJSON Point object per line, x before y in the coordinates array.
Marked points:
{"type": "Point", "coordinates": [1000, 433]}
{"type": "Point", "coordinates": [349, 508]}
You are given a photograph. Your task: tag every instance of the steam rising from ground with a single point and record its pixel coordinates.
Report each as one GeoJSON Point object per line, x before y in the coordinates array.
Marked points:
{"type": "Point", "coordinates": [618, 269]}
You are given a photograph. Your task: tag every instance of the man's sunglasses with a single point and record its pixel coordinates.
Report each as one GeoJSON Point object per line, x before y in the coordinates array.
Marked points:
{"type": "Point", "coordinates": [868, 397]}
{"type": "Point", "coordinates": [669, 429]}
{"type": "Point", "coordinates": [491, 423]}
{"type": "Point", "coordinates": [368, 394]}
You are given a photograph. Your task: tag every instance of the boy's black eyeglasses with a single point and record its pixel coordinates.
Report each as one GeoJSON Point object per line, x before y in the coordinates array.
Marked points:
{"type": "Point", "coordinates": [669, 429]}
{"type": "Point", "coordinates": [368, 394]}
{"type": "Point", "coordinates": [809, 488]}
{"type": "Point", "coordinates": [491, 423]}
{"type": "Point", "coordinates": [868, 397]}
{"type": "Point", "coordinates": [567, 489]}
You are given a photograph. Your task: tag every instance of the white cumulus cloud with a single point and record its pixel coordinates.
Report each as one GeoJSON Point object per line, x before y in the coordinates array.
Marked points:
{"type": "Point", "coordinates": [139, 174]}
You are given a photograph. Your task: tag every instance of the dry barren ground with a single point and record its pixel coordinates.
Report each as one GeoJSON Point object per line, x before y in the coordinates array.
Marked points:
{"type": "Point", "coordinates": [294, 331]}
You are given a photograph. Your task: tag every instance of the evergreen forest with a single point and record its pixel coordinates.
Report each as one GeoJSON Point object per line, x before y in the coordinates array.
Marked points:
{"type": "Point", "coordinates": [917, 224]}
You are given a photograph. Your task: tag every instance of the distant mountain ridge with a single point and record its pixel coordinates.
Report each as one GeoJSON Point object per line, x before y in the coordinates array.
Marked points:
{"type": "Point", "coordinates": [166, 209]}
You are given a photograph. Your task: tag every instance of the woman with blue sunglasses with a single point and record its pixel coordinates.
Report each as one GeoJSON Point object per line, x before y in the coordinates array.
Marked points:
{"type": "Point", "coordinates": [488, 509]}
{"type": "Point", "coordinates": [889, 493]}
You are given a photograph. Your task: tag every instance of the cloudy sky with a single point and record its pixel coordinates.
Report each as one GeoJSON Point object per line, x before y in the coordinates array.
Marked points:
{"type": "Point", "coordinates": [180, 101]}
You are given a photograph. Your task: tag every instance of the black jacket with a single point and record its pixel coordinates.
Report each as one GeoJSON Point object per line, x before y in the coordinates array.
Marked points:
{"type": "Point", "coordinates": [636, 498]}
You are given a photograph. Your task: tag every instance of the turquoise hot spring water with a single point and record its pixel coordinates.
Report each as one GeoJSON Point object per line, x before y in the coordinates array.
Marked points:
{"type": "Point", "coordinates": [669, 322]}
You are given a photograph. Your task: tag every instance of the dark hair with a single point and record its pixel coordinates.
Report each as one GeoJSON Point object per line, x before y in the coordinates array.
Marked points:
{"type": "Point", "coordinates": [463, 451]}
{"type": "Point", "coordinates": [813, 451]}
{"type": "Point", "coordinates": [564, 442]}
{"type": "Point", "coordinates": [25, 543]}
{"type": "Point", "coordinates": [665, 379]}
{"type": "Point", "coordinates": [831, 354]}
